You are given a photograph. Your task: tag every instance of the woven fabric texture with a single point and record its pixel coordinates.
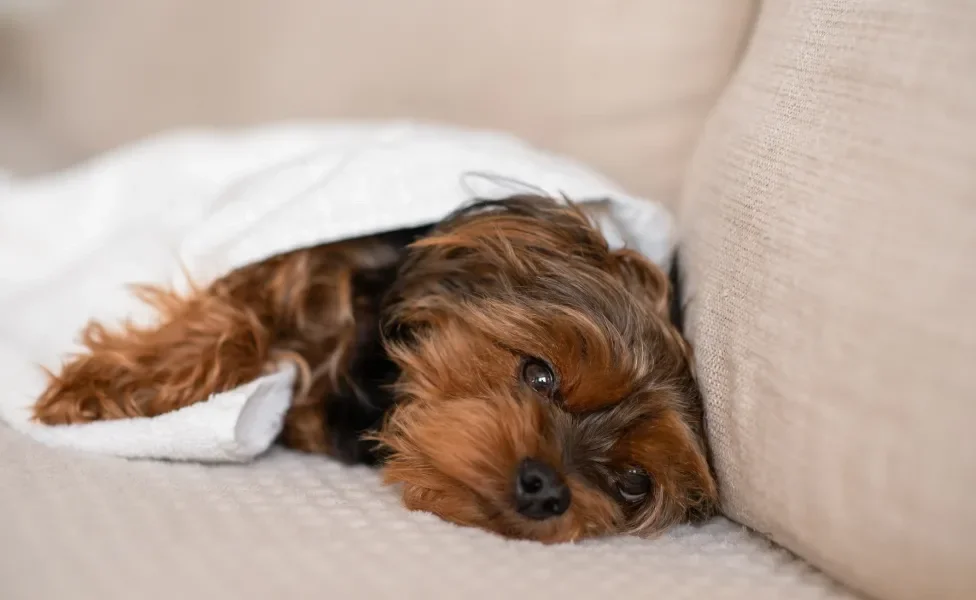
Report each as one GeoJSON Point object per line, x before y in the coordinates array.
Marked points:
{"type": "Point", "coordinates": [830, 220]}
{"type": "Point", "coordinates": [289, 526]}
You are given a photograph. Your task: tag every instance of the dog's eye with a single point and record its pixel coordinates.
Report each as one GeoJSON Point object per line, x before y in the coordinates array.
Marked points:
{"type": "Point", "coordinates": [633, 484]}
{"type": "Point", "coordinates": [539, 376]}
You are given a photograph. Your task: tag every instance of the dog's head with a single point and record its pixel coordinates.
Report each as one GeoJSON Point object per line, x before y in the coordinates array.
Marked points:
{"type": "Point", "coordinates": [545, 393]}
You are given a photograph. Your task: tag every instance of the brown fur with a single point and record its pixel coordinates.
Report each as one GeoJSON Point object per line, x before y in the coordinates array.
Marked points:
{"type": "Point", "coordinates": [296, 307]}
{"type": "Point", "coordinates": [494, 285]}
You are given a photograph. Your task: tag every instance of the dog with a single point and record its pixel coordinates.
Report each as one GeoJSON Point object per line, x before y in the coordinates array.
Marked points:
{"type": "Point", "coordinates": [504, 367]}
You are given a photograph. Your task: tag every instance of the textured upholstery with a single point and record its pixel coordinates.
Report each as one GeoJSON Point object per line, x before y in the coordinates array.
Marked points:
{"type": "Point", "coordinates": [86, 528]}
{"type": "Point", "coordinates": [830, 216]}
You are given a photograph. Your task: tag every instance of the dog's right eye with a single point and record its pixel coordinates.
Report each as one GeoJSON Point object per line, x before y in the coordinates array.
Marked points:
{"type": "Point", "coordinates": [539, 376]}
{"type": "Point", "coordinates": [633, 484]}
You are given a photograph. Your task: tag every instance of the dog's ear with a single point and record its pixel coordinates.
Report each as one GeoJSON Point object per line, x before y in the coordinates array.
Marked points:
{"type": "Point", "coordinates": [644, 279]}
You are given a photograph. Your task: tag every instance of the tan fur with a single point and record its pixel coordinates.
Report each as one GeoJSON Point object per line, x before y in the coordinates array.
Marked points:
{"type": "Point", "coordinates": [296, 307]}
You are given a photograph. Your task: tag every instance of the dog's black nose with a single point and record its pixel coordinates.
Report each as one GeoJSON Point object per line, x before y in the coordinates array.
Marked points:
{"type": "Point", "coordinates": [540, 493]}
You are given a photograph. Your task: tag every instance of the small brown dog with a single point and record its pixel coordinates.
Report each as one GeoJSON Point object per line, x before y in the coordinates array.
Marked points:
{"type": "Point", "coordinates": [505, 367]}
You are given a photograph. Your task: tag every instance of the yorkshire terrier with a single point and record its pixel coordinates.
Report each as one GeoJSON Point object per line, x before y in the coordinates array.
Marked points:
{"type": "Point", "coordinates": [505, 367]}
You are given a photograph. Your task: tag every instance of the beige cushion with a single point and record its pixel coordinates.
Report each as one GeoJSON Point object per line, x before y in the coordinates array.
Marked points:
{"type": "Point", "coordinates": [78, 527]}
{"type": "Point", "coordinates": [831, 222]}
{"type": "Point", "coordinates": [624, 86]}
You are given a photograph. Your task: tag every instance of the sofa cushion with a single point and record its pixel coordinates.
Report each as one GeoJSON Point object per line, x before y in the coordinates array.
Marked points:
{"type": "Point", "coordinates": [830, 217]}
{"type": "Point", "coordinates": [290, 526]}
{"type": "Point", "coordinates": [624, 87]}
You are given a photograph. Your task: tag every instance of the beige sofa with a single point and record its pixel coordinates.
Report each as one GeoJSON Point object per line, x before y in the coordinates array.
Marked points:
{"type": "Point", "coordinates": [821, 157]}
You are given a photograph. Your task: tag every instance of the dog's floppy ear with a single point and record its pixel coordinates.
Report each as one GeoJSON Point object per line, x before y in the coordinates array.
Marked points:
{"type": "Point", "coordinates": [644, 279]}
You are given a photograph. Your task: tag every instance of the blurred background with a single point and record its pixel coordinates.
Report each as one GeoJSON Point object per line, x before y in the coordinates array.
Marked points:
{"type": "Point", "coordinates": [622, 84]}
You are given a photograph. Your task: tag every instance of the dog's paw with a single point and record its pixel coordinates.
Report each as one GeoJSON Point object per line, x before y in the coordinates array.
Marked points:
{"type": "Point", "coordinates": [59, 406]}
{"type": "Point", "coordinates": [82, 393]}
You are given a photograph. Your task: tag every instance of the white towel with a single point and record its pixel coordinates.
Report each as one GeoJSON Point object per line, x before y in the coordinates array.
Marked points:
{"type": "Point", "coordinates": [71, 242]}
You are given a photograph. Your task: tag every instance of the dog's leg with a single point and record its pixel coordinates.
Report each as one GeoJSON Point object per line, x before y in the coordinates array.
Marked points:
{"type": "Point", "coordinates": [204, 343]}
{"type": "Point", "coordinates": [300, 306]}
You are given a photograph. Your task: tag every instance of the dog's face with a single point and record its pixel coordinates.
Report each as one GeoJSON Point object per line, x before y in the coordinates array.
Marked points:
{"type": "Point", "coordinates": [544, 392]}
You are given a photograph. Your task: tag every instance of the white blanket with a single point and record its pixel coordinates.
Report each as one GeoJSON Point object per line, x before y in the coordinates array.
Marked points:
{"type": "Point", "coordinates": [70, 243]}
